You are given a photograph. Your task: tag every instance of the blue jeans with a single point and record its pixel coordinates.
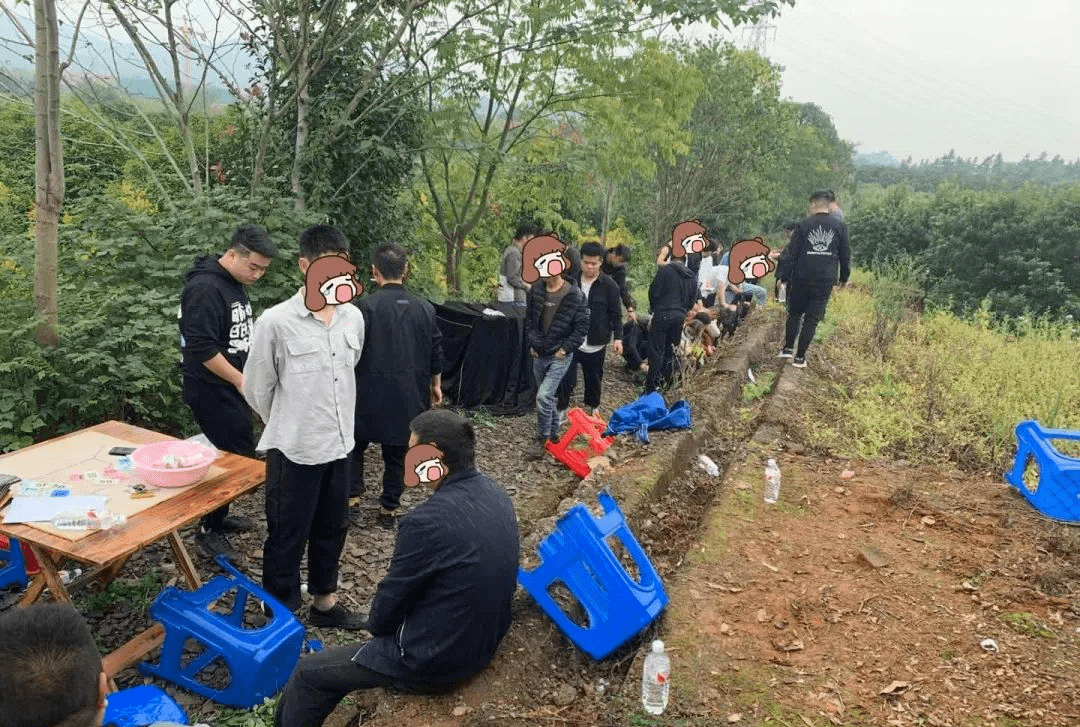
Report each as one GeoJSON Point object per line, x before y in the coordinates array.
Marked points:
{"type": "Point", "coordinates": [548, 372]}
{"type": "Point", "coordinates": [759, 293]}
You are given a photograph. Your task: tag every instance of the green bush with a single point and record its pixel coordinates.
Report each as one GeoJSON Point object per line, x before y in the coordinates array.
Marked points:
{"type": "Point", "coordinates": [951, 389]}
{"type": "Point", "coordinates": [120, 284]}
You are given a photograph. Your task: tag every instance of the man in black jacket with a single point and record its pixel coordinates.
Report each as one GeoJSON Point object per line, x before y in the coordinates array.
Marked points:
{"type": "Point", "coordinates": [614, 266]}
{"type": "Point", "coordinates": [808, 265]}
{"type": "Point", "coordinates": [672, 293]}
{"type": "Point", "coordinates": [399, 373]}
{"type": "Point", "coordinates": [443, 607]}
{"type": "Point", "coordinates": [605, 316]}
{"type": "Point", "coordinates": [215, 335]}
{"type": "Point", "coordinates": [556, 322]}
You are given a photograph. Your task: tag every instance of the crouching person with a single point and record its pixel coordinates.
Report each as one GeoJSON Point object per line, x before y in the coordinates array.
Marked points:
{"type": "Point", "coordinates": [444, 605]}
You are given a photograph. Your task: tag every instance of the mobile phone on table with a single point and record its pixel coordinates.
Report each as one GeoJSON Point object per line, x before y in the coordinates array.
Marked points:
{"type": "Point", "coordinates": [121, 451]}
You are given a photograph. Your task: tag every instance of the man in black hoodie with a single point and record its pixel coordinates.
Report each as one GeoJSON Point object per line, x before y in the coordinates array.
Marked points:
{"type": "Point", "coordinates": [808, 265]}
{"type": "Point", "coordinates": [672, 293]}
{"type": "Point", "coordinates": [215, 334]}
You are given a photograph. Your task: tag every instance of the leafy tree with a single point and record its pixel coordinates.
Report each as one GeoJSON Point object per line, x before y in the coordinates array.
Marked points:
{"type": "Point", "coordinates": [815, 158]}
{"type": "Point", "coordinates": [738, 127]}
{"type": "Point", "coordinates": [490, 84]}
{"type": "Point", "coordinates": [642, 120]}
{"type": "Point", "coordinates": [1011, 250]}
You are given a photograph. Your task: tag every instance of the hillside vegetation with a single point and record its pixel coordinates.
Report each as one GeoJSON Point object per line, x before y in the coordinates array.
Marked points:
{"type": "Point", "coordinates": [933, 388]}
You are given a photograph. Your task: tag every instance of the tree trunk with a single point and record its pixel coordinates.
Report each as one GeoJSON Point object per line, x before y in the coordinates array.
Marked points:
{"type": "Point", "coordinates": [180, 103]}
{"type": "Point", "coordinates": [49, 171]}
{"type": "Point", "coordinates": [303, 104]}
{"type": "Point", "coordinates": [453, 281]}
{"type": "Point", "coordinates": [606, 224]}
{"type": "Point", "coordinates": [303, 101]}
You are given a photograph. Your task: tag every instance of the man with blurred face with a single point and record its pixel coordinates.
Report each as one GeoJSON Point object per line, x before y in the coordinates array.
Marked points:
{"type": "Point", "coordinates": [605, 324]}
{"type": "Point", "coordinates": [440, 613]}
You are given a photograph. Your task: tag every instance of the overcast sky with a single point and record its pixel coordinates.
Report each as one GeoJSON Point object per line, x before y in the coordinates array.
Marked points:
{"type": "Point", "coordinates": [920, 77]}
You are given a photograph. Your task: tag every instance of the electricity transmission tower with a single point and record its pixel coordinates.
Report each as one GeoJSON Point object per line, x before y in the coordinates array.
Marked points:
{"type": "Point", "coordinates": [756, 36]}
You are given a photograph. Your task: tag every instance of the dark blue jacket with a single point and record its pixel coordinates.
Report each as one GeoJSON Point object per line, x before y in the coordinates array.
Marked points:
{"type": "Point", "coordinates": [402, 351]}
{"type": "Point", "coordinates": [444, 605]}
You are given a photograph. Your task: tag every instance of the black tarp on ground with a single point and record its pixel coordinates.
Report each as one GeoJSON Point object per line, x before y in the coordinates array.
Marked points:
{"type": "Point", "coordinates": [487, 362]}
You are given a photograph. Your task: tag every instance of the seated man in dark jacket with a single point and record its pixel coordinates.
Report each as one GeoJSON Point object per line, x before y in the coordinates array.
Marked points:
{"type": "Point", "coordinates": [444, 605]}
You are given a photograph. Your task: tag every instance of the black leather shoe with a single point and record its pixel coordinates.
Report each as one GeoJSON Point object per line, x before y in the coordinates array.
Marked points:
{"type": "Point", "coordinates": [236, 524]}
{"type": "Point", "coordinates": [338, 617]}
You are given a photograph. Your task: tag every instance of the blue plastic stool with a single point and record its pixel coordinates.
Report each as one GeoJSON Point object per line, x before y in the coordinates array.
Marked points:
{"type": "Point", "coordinates": [12, 566]}
{"type": "Point", "coordinates": [259, 660]}
{"type": "Point", "coordinates": [142, 706]}
{"type": "Point", "coordinates": [576, 554]}
{"type": "Point", "coordinates": [1057, 493]}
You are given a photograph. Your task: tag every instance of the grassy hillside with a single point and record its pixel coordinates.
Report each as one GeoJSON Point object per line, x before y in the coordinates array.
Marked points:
{"type": "Point", "coordinates": [932, 388]}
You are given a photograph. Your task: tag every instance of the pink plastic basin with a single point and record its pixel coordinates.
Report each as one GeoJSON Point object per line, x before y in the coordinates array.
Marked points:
{"type": "Point", "coordinates": [149, 458]}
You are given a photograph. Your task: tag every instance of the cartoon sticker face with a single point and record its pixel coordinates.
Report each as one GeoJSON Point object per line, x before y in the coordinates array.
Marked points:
{"type": "Point", "coordinates": [543, 257]}
{"type": "Point", "coordinates": [749, 259]}
{"type": "Point", "coordinates": [330, 280]}
{"type": "Point", "coordinates": [424, 464]}
{"type": "Point", "coordinates": [688, 237]}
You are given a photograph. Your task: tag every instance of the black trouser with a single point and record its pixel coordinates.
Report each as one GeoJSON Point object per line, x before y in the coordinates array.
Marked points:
{"type": "Point", "coordinates": [323, 678]}
{"type": "Point", "coordinates": [635, 344]}
{"type": "Point", "coordinates": [664, 337]}
{"type": "Point", "coordinates": [806, 304]}
{"type": "Point", "coordinates": [592, 372]}
{"type": "Point", "coordinates": [393, 479]}
{"type": "Point", "coordinates": [225, 418]}
{"type": "Point", "coordinates": [306, 505]}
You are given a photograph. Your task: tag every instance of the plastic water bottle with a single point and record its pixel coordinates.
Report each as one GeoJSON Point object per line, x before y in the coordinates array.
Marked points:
{"type": "Point", "coordinates": [655, 679]}
{"type": "Point", "coordinates": [67, 577]}
{"type": "Point", "coordinates": [781, 295]}
{"type": "Point", "coordinates": [772, 482]}
{"type": "Point", "coordinates": [708, 465]}
{"type": "Point", "coordinates": [89, 520]}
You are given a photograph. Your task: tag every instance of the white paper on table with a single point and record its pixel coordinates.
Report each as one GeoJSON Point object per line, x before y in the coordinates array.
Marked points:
{"type": "Point", "coordinates": [36, 509]}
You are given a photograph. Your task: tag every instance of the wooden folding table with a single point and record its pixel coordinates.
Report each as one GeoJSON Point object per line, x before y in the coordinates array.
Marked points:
{"type": "Point", "coordinates": [107, 551]}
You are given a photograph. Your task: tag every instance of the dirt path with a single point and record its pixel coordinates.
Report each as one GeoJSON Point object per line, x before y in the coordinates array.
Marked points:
{"type": "Point", "coordinates": [864, 595]}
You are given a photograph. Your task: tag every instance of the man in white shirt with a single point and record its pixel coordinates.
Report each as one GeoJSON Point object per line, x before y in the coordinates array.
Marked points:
{"type": "Point", "coordinates": [299, 379]}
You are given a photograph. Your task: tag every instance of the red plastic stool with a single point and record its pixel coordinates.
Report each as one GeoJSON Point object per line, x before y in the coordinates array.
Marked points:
{"type": "Point", "coordinates": [577, 459]}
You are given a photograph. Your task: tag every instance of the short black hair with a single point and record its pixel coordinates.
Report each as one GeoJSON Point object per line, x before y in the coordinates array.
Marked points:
{"type": "Point", "coordinates": [622, 250]}
{"type": "Point", "coordinates": [526, 230]}
{"type": "Point", "coordinates": [49, 668]}
{"type": "Point", "coordinates": [822, 195]}
{"type": "Point", "coordinates": [451, 433]}
{"type": "Point", "coordinates": [592, 249]}
{"type": "Point", "coordinates": [322, 240]}
{"type": "Point", "coordinates": [252, 238]}
{"type": "Point", "coordinates": [390, 260]}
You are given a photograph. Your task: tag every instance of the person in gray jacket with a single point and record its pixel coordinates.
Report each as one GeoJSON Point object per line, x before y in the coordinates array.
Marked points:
{"type": "Point", "coordinates": [512, 289]}
{"type": "Point", "coordinates": [444, 606]}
